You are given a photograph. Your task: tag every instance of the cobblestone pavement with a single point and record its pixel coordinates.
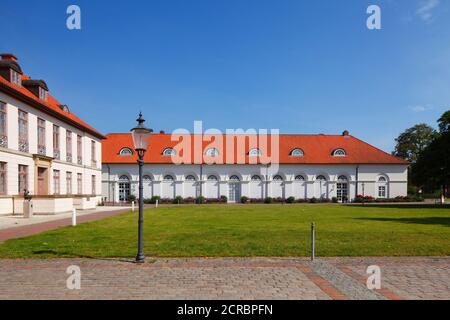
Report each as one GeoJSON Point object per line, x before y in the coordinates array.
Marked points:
{"type": "Point", "coordinates": [227, 278]}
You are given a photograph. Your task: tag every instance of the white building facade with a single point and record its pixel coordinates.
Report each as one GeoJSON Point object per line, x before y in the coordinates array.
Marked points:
{"type": "Point", "coordinates": [45, 149]}
{"type": "Point", "coordinates": [340, 167]}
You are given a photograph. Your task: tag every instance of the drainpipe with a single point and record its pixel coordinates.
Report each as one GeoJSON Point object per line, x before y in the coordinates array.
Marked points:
{"type": "Point", "coordinates": [357, 181]}
{"type": "Point", "coordinates": [109, 182]}
{"type": "Point", "coordinates": [201, 180]}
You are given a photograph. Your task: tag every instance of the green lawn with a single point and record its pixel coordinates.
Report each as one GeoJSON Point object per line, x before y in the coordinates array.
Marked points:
{"type": "Point", "coordinates": [272, 230]}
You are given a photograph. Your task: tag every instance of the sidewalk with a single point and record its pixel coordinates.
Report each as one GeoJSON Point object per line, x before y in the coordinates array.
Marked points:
{"type": "Point", "coordinates": [16, 226]}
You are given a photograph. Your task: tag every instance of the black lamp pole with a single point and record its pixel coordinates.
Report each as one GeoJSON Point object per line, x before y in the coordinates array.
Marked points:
{"type": "Point", "coordinates": [141, 136]}
{"type": "Point", "coordinates": [140, 256]}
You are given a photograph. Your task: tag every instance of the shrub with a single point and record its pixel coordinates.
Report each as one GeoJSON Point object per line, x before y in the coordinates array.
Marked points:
{"type": "Point", "coordinates": [223, 199]}
{"type": "Point", "coordinates": [178, 200]}
{"type": "Point", "coordinates": [200, 200]}
{"type": "Point", "coordinates": [334, 200]}
{"type": "Point", "coordinates": [301, 200]}
{"type": "Point", "coordinates": [313, 200]}
{"type": "Point", "coordinates": [268, 200]}
{"type": "Point", "coordinates": [189, 200]}
{"type": "Point", "coordinates": [253, 200]}
{"type": "Point", "coordinates": [131, 198]}
{"type": "Point", "coordinates": [290, 200]}
{"type": "Point", "coordinates": [153, 199]}
{"type": "Point", "coordinates": [244, 200]}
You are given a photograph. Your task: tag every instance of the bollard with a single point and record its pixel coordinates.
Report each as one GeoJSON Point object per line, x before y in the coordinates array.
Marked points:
{"type": "Point", "coordinates": [312, 242]}
{"type": "Point", "coordinates": [132, 206]}
{"type": "Point", "coordinates": [74, 217]}
{"type": "Point", "coordinates": [156, 203]}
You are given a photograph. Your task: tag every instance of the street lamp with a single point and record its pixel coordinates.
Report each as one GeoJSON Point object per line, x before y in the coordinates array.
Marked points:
{"type": "Point", "coordinates": [141, 137]}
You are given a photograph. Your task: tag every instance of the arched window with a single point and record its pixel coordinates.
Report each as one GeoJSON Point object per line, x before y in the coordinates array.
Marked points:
{"type": "Point", "coordinates": [126, 152]}
{"type": "Point", "coordinates": [234, 179]}
{"type": "Point", "coordinates": [342, 189]}
{"type": "Point", "coordinates": [300, 178]}
{"type": "Point", "coordinates": [342, 179]}
{"type": "Point", "coordinates": [297, 153]}
{"type": "Point", "coordinates": [256, 178]}
{"type": "Point", "coordinates": [147, 178]}
{"type": "Point", "coordinates": [383, 187]}
{"type": "Point", "coordinates": [169, 152]}
{"type": "Point", "coordinates": [254, 153]}
{"type": "Point", "coordinates": [278, 178]}
{"type": "Point", "coordinates": [339, 153]}
{"type": "Point", "coordinates": [212, 152]}
{"type": "Point", "coordinates": [190, 178]}
{"type": "Point", "coordinates": [321, 178]}
{"type": "Point", "coordinates": [382, 179]}
{"type": "Point", "coordinates": [212, 178]}
{"type": "Point", "coordinates": [124, 178]}
{"type": "Point", "coordinates": [168, 177]}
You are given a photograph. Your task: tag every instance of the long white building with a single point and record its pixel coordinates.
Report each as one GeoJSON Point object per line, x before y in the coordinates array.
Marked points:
{"type": "Point", "coordinates": [45, 149]}
{"type": "Point", "coordinates": [306, 166]}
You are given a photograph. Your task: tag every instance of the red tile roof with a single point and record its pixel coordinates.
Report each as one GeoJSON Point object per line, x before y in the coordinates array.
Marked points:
{"type": "Point", "coordinates": [317, 149]}
{"type": "Point", "coordinates": [51, 106]}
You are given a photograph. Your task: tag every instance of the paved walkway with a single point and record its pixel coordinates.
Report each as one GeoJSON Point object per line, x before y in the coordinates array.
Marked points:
{"type": "Point", "coordinates": [17, 226]}
{"type": "Point", "coordinates": [227, 278]}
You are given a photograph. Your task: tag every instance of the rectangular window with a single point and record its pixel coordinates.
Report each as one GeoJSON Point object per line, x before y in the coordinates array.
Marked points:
{"type": "Point", "coordinates": [23, 131]}
{"type": "Point", "coordinates": [93, 185]}
{"type": "Point", "coordinates": [69, 146]}
{"type": "Point", "coordinates": [93, 156]}
{"type": "Point", "coordinates": [56, 185]}
{"type": "Point", "coordinates": [79, 150]}
{"type": "Point", "coordinates": [69, 182]}
{"type": "Point", "coordinates": [43, 94]}
{"type": "Point", "coordinates": [3, 128]}
{"type": "Point", "coordinates": [3, 178]}
{"type": "Point", "coordinates": [80, 183]}
{"type": "Point", "coordinates": [23, 178]}
{"type": "Point", "coordinates": [382, 192]}
{"type": "Point", "coordinates": [16, 78]}
{"type": "Point", "coordinates": [56, 152]}
{"type": "Point", "coordinates": [41, 136]}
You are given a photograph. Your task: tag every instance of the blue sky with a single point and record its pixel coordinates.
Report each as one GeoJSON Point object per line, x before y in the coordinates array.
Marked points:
{"type": "Point", "coordinates": [298, 66]}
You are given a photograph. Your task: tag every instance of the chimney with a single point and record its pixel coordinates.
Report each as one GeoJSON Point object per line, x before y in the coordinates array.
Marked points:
{"type": "Point", "coordinates": [162, 132]}
{"type": "Point", "coordinates": [8, 56]}
{"type": "Point", "coordinates": [346, 133]}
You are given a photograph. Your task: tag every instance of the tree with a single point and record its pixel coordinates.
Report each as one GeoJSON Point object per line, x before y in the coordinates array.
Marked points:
{"type": "Point", "coordinates": [433, 164]}
{"type": "Point", "coordinates": [444, 122]}
{"type": "Point", "coordinates": [412, 142]}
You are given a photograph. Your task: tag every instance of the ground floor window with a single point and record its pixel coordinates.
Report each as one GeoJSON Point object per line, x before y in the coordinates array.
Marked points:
{"type": "Point", "coordinates": [124, 188]}
{"type": "Point", "coordinates": [93, 183]}
{"type": "Point", "coordinates": [342, 189]}
{"type": "Point", "coordinates": [23, 178]}
{"type": "Point", "coordinates": [382, 191]}
{"type": "Point", "coordinates": [79, 183]}
{"type": "Point", "coordinates": [56, 185]}
{"type": "Point", "coordinates": [69, 182]}
{"type": "Point", "coordinates": [3, 179]}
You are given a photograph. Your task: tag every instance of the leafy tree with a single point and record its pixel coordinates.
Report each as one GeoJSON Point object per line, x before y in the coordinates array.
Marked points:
{"type": "Point", "coordinates": [444, 122]}
{"type": "Point", "coordinates": [433, 164]}
{"type": "Point", "coordinates": [413, 141]}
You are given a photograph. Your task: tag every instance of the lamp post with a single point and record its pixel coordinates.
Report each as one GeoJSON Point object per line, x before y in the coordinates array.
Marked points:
{"type": "Point", "coordinates": [141, 137]}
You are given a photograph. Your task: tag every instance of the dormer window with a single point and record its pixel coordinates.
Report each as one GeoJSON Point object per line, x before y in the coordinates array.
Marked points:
{"type": "Point", "coordinates": [16, 78]}
{"type": "Point", "coordinates": [169, 152]}
{"type": "Point", "coordinates": [297, 153]}
{"type": "Point", "coordinates": [43, 94]}
{"type": "Point", "coordinates": [254, 153]}
{"type": "Point", "coordinates": [339, 153]}
{"type": "Point", "coordinates": [126, 152]}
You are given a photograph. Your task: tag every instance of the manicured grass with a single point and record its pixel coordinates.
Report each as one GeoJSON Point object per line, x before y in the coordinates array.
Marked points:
{"type": "Point", "coordinates": [272, 230]}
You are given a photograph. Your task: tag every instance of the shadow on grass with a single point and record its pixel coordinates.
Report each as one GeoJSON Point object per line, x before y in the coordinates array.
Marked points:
{"type": "Point", "coordinates": [56, 254]}
{"type": "Point", "coordinates": [442, 221]}
{"type": "Point", "coordinates": [402, 206]}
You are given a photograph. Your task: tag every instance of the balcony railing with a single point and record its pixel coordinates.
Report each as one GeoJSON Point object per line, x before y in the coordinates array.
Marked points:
{"type": "Point", "coordinates": [80, 160]}
{"type": "Point", "coordinates": [56, 154]}
{"type": "Point", "coordinates": [3, 141]}
{"type": "Point", "coordinates": [42, 150]}
{"type": "Point", "coordinates": [23, 146]}
{"type": "Point", "coordinates": [69, 157]}
{"type": "Point", "coordinates": [93, 163]}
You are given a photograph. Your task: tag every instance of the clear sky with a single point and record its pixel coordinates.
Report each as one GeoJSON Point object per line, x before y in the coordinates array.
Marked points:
{"type": "Point", "coordinates": [298, 66]}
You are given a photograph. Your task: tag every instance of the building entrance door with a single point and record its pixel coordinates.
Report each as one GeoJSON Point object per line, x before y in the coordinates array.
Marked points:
{"type": "Point", "coordinates": [42, 181]}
